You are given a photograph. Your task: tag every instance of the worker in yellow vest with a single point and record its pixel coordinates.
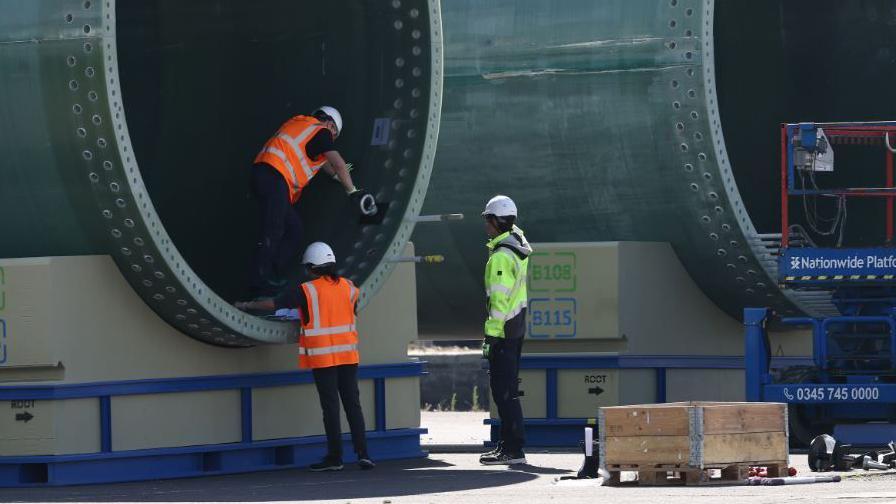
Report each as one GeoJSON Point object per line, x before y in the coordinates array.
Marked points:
{"type": "Point", "coordinates": [285, 166]}
{"type": "Point", "coordinates": [328, 345]}
{"type": "Point", "coordinates": [505, 325]}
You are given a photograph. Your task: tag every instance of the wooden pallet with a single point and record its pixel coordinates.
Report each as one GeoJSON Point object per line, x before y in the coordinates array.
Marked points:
{"type": "Point", "coordinates": [682, 474]}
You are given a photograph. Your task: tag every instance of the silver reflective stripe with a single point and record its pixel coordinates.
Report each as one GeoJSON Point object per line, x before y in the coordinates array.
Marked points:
{"type": "Point", "coordinates": [516, 310]}
{"type": "Point", "coordinates": [295, 143]}
{"type": "Point", "coordinates": [314, 304]}
{"type": "Point", "coordinates": [330, 330]}
{"type": "Point", "coordinates": [498, 288]}
{"type": "Point", "coordinates": [330, 350]}
{"type": "Point", "coordinates": [504, 317]}
{"type": "Point", "coordinates": [292, 171]}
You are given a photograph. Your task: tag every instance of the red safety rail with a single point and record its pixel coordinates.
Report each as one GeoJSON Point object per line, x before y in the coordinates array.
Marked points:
{"type": "Point", "coordinates": [845, 134]}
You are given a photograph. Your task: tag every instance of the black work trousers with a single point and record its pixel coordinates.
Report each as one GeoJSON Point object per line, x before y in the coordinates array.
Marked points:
{"type": "Point", "coordinates": [504, 378]}
{"type": "Point", "coordinates": [332, 384]}
{"type": "Point", "coordinates": [281, 230]}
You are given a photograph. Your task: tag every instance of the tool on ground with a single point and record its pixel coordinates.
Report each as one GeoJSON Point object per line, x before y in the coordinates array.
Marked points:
{"type": "Point", "coordinates": [798, 480]}
{"type": "Point", "coordinates": [870, 463]}
{"type": "Point", "coordinates": [828, 454]}
{"type": "Point", "coordinates": [889, 458]}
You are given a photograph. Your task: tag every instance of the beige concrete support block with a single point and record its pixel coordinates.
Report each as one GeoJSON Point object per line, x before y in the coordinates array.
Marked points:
{"type": "Point", "coordinates": [533, 387]}
{"type": "Point", "coordinates": [704, 385]}
{"type": "Point", "coordinates": [580, 392]}
{"type": "Point", "coordinates": [55, 427]}
{"type": "Point", "coordinates": [169, 420]}
{"type": "Point", "coordinates": [294, 411]}
{"type": "Point", "coordinates": [402, 403]}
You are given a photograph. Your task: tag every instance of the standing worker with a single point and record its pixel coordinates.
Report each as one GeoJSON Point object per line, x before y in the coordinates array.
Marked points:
{"type": "Point", "coordinates": [505, 287]}
{"type": "Point", "coordinates": [328, 345]}
{"type": "Point", "coordinates": [284, 167]}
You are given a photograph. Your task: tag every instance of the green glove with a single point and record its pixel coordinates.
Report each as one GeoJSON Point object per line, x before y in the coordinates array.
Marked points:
{"type": "Point", "coordinates": [486, 349]}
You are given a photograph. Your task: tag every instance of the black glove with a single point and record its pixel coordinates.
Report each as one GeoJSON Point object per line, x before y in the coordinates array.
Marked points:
{"type": "Point", "coordinates": [489, 346]}
{"type": "Point", "coordinates": [364, 200]}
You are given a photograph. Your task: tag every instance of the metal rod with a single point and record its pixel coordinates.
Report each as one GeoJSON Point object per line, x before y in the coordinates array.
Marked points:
{"type": "Point", "coordinates": [889, 184]}
{"type": "Point", "coordinates": [429, 259]}
{"type": "Point", "coordinates": [785, 232]}
{"type": "Point", "coordinates": [437, 218]}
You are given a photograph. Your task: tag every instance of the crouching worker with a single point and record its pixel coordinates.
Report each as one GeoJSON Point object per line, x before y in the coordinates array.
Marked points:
{"type": "Point", "coordinates": [328, 345]}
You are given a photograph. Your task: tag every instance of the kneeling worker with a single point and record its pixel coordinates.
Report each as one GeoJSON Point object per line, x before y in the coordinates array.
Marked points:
{"type": "Point", "coordinates": [328, 345]}
{"type": "Point", "coordinates": [505, 286]}
{"type": "Point", "coordinates": [285, 166]}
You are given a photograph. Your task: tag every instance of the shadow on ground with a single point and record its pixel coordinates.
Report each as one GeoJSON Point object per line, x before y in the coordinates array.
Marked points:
{"type": "Point", "coordinates": [389, 479]}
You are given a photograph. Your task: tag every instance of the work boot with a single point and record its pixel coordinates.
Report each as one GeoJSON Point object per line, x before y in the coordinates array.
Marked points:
{"type": "Point", "coordinates": [504, 458]}
{"type": "Point", "coordinates": [497, 449]}
{"type": "Point", "coordinates": [327, 464]}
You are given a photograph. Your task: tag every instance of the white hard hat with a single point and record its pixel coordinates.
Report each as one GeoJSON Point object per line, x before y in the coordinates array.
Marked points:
{"type": "Point", "coordinates": [500, 206]}
{"type": "Point", "coordinates": [334, 114]}
{"type": "Point", "coordinates": [318, 254]}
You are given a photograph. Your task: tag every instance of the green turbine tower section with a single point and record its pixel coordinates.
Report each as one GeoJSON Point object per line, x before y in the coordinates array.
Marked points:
{"type": "Point", "coordinates": [129, 128]}
{"type": "Point", "coordinates": [648, 120]}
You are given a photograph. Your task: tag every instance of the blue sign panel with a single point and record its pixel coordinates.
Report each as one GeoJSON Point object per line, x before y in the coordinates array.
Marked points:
{"type": "Point", "coordinates": [831, 393]}
{"type": "Point", "coordinates": [552, 317]}
{"type": "Point", "coordinates": [809, 264]}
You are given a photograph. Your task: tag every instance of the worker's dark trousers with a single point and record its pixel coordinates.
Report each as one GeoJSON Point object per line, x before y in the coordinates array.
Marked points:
{"type": "Point", "coordinates": [281, 230]}
{"type": "Point", "coordinates": [333, 383]}
{"type": "Point", "coordinates": [504, 373]}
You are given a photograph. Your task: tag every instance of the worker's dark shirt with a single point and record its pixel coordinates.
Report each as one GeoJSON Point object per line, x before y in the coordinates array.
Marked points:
{"type": "Point", "coordinates": [320, 143]}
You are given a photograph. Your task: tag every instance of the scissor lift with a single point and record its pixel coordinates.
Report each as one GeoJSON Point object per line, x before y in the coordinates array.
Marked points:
{"type": "Point", "coordinates": [850, 388]}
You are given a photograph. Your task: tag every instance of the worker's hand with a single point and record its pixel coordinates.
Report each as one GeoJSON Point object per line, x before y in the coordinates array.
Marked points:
{"type": "Point", "coordinates": [364, 200]}
{"type": "Point", "coordinates": [488, 346]}
{"type": "Point", "coordinates": [242, 305]}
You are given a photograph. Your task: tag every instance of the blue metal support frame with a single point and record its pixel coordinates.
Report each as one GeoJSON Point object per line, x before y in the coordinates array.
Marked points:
{"type": "Point", "coordinates": [105, 424]}
{"type": "Point", "coordinates": [660, 384]}
{"type": "Point", "coordinates": [246, 414]}
{"type": "Point", "coordinates": [246, 455]}
{"type": "Point", "coordinates": [379, 387]}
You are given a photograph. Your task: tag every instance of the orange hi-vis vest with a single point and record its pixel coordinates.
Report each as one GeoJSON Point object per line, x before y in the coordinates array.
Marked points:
{"type": "Point", "coordinates": [329, 337]}
{"type": "Point", "coordinates": [285, 151]}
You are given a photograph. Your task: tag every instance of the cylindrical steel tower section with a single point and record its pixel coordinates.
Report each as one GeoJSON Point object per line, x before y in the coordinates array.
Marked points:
{"type": "Point", "coordinates": [129, 129]}
{"type": "Point", "coordinates": [650, 120]}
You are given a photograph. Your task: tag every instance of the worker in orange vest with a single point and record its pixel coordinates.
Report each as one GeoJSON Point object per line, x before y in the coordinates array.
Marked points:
{"type": "Point", "coordinates": [285, 166]}
{"type": "Point", "coordinates": [328, 345]}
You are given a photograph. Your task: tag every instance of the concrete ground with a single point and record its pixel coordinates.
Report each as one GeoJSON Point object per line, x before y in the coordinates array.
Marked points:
{"type": "Point", "coordinates": [454, 428]}
{"type": "Point", "coordinates": [454, 478]}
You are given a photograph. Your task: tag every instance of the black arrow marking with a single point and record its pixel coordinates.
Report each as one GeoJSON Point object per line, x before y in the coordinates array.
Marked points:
{"type": "Point", "coordinates": [24, 417]}
{"type": "Point", "coordinates": [596, 390]}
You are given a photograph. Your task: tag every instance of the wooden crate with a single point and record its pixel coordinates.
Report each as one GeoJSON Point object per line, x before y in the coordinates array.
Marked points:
{"type": "Point", "coordinates": [687, 439]}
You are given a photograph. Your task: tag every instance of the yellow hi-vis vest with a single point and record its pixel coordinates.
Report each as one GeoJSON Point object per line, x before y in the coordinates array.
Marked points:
{"type": "Point", "coordinates": [505, 286]}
